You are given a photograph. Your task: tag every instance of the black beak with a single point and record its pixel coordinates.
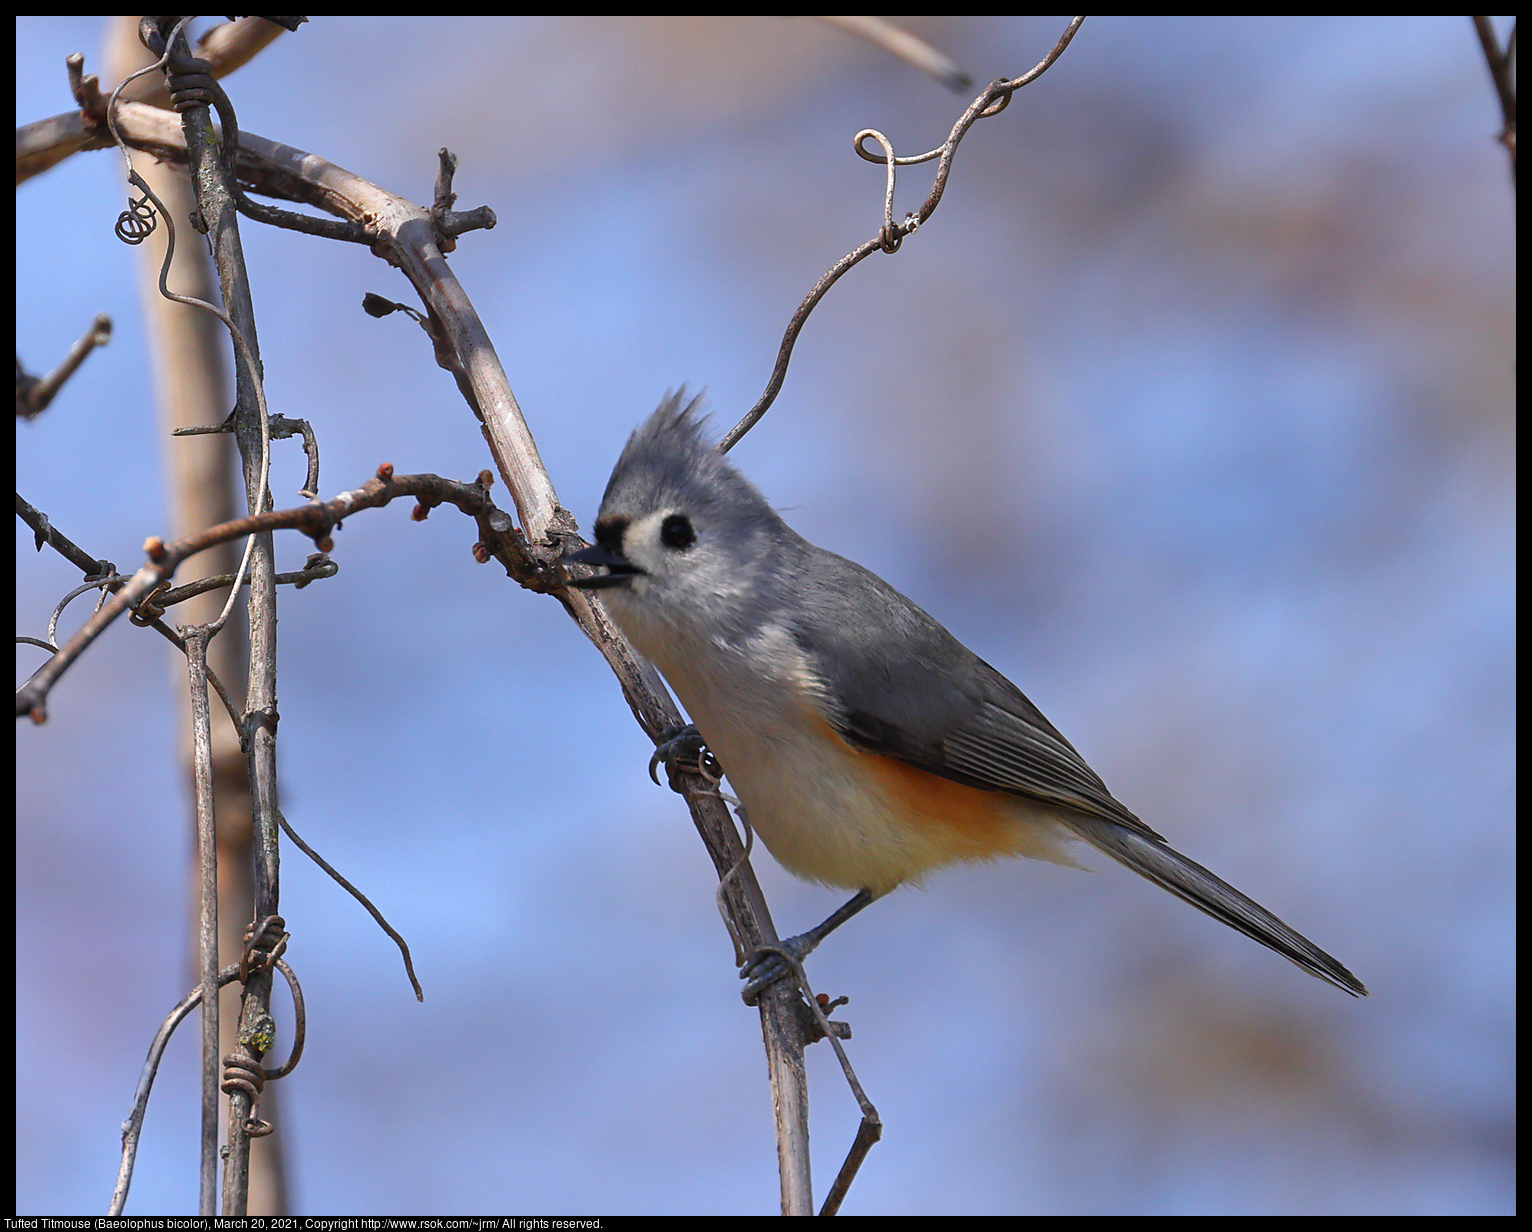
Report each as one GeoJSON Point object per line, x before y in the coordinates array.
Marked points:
{"type": "Point", "coordinates": [620, 567]}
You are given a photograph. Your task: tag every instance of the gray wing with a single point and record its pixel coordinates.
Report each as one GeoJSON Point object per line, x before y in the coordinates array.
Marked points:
{"type": "Point", "coordinates": [899, 684]}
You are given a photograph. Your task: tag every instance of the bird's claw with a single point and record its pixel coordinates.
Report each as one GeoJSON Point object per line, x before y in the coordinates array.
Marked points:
{"type": "Point", "coordinates": [683, 751]}
{"type": "Point", "coordinates": [767, 964]}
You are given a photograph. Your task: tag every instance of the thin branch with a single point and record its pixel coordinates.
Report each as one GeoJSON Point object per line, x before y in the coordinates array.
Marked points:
{"type": "Point", "coordinates": [106, 585]}
{"type": "Point", "coordinates": [1502, 72]}
{"type": "Point", "coordinates": [991, 101]}
{"type": "Point", "coordinates": [281, 428]}
{"type": "Point", "coordinates": [44, 533]}
{"type": "Point", "coordinates": [251, 413]}
{"type": "Point", "coordinates": [44, 143]}
{"type": "Point", "coordinates": [315, 521]}
{"type": "Point", "coordinates": [33, 394]}
{"type": "Point", "coordinates": [790, 339]}
{"type": "Point", "coordinates": [195, 95]}
{"type": "Point", "coordinates": [133, 1126]}
{"type": "Point", "coordinates": [152, 608]}
{"type": "Point", "coordinates": [901, 43]}
{"type": "Point", "coordinates": [317, 566]}
{"type": "Point", "coordinates": [404, 947]}
{"type": "Point", "coordinates": [190, 355]}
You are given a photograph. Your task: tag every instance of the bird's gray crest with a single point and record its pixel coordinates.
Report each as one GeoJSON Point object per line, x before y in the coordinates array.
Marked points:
{"type": "Point", "coordinates": [667, 464]}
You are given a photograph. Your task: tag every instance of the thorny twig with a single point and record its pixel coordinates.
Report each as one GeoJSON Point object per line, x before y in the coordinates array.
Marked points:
{"type": "Point", "coordinates": [44, 533]}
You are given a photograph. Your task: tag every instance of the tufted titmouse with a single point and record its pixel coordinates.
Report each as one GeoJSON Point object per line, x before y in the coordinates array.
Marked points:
{"type": "Point", "coordinates": [866, 744]}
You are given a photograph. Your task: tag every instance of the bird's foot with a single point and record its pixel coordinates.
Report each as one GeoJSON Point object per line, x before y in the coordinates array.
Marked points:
{"type": "Point", "coordinates": [683, 751]}
{"type": "Point", "coordinates": [767, 964]}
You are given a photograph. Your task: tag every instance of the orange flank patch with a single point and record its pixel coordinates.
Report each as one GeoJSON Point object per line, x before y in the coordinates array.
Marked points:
{"type": "Point", "coordinates": [965, 823]}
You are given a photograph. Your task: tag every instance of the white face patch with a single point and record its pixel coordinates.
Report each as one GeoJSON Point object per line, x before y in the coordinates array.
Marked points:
{"type": "Point", "coordinates": [641, 542]}
{"type": "Point", "coordinates": [698, 577]}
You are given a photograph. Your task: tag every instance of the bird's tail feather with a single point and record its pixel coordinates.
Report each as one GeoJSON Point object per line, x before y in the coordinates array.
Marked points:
{"type": "Point", "coordinates": [1188, 880]}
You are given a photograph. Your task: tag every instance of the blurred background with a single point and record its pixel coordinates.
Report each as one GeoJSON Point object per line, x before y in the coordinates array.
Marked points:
{"type": "Point", "coordinates": [1191, 410]}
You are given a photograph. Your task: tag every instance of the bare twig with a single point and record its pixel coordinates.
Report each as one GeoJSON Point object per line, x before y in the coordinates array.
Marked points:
{"type": "Point", "coordinates": [991, 101]}
{"type": "Point", "coordinates": [104, 584]}
{"type": "Point", "coordinates": [103, 574]}
{"type": "Point", "coordinates": [404, 948]}
{"type": "Point", "coordinates": [1502, 71]}
{"type": "Point", "coordinates": [281, 428]}
{"type": "Point", "coordinates": [45, 533]}
{"type": "Point", "coordinates": [191, 381]}
{"type": "Point", "coordinates": [316, 521]}
{"type": "Point", "coordinates": [254, 439]}
{"type": "Point", "coordinates": [317, 566]}
{"type": "Point", "coordinates": [33, 394]}
{"type": "Point", "coordinates": [870, 1130]}
{"type": "Point", "coordinates": [134, 1124]}
{"type": "Point", "coordinates": [452, 223]}
{"type": "Point", "coordinates": [44, 143]}
{"type": "Point", "coordinates": [790, 338]}
{"type": "Point", "coordinates": [909, 48]}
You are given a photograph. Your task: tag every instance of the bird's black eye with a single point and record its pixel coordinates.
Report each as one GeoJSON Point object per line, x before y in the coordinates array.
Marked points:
{"type": "Point", "coordinates": [676, 531]}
